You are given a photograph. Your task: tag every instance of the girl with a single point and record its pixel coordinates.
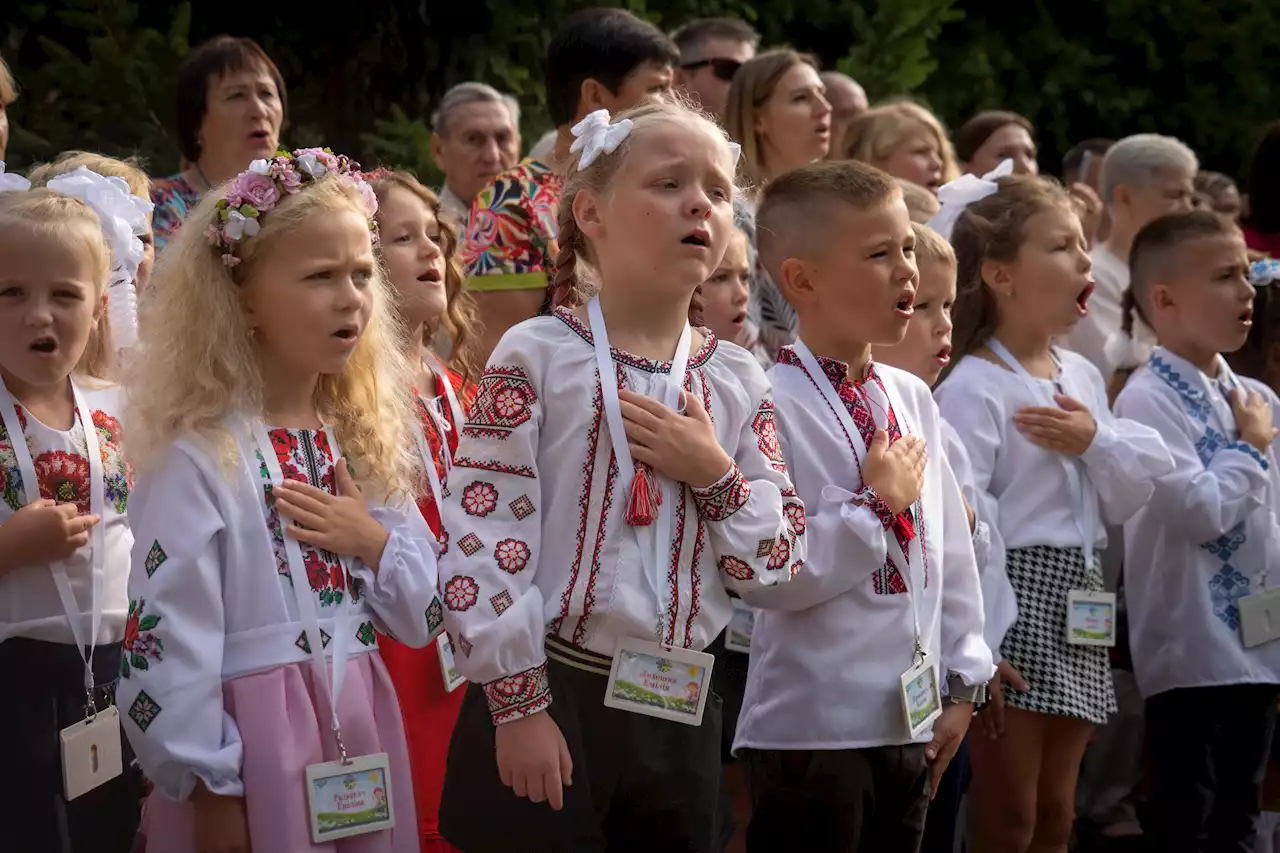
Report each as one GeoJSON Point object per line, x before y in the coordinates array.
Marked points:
{"type": "Point", "coordinates": [904, 139]}
{"type": "Point", "coordinates": [564, 437]}
{"type": "Point", "coordinates": [1050, 467]}
{"type": "Point", "coordinates": [419, 249]}
{"type": "Point", "coordinates": [268, 359]}
{"type": "Point", "coordinates": [721, 302]}
{"type": "Point", "coordinates": [64, 538]}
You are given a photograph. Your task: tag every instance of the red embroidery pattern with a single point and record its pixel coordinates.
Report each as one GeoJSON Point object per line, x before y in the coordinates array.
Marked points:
{"type": "Point", "coordinates": [512, 555]}
{"type": "Point", "coordinates": [479, 498]}
{"type": "Point", "coordinates": [796, 521]}
{"type": "Point", "coordinates": [765, 547]}
{"type": "Point", "coordinates": [736, 569]}
{"type": "Point", "coordinates": [470, 544]}
{"type": "Point", "coordinates": [522, 507]}
{"type": "Point", "coordinates": [766, 429]}
{"type": "Point", "coordinates": [723, 499]}
{"type": "Point", "coordinates": [781, 554]}
{"type": "Point", "coordinates": [584, 503]}
{"type": "Point", "coordinates": [64, 477]}
{"type": "Point", "coordinates": [695, 583]}
{"type": "Point", "coordinates": [496, 467]}
{"type": "Point", "coordinates": [673, 576]}
{"type": "Point", "coordinates": [501, 602]}
{"type": "Point", "coordinates": [465, 645]}
{"type": "Point", "coordinates": [504, 402]}
{"type": "Point", "coordinates": [460, 593]}
{"type": "Point", "coordinates": [518, 695]}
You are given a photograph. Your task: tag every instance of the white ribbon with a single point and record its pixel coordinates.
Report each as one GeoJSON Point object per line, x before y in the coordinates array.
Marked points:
{"type": "Point", "coordinates": [955, 196]}
{"type": "Point", "coordinates": [12, 183]}
{"type": "Point", "coordinates": [596, 136]}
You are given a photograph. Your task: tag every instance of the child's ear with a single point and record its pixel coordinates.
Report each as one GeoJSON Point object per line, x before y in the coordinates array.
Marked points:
{"type": "Point", "coordinates": [998, 277]}
{"type": "Point", "coordinates": [586, 211]}
{"type": "Point", "coordinates": [795, 282]}
{"type": "Point", "coordinates": [1161, 297]}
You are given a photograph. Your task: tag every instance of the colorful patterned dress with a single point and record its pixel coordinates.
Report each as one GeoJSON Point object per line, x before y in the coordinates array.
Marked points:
{"type": "Point", "coordinates": [174, 199]}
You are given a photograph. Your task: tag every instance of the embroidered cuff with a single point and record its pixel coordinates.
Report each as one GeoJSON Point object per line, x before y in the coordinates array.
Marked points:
{"type": "Point", "coordinates": [520, 695]}
{"type": "Point", "coordinates": [1252, 451]}
{"type": "Point", "coordinates": [867, 497]}
{"type": "Point", "coordinates": [724, 497]}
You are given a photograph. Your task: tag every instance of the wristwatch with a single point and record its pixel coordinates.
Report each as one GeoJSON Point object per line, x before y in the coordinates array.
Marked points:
{"type": "Point", "coordinates": [958, 691]}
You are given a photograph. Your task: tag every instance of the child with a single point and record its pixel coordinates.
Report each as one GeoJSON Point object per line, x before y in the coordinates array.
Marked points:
{"type": "Point", "coordinates": [594, 520]}
{"type": "Point", "coordinates": [921, 204]}
{"type": "Point", "coordinates": [267, 359]}
{"type": "Point", "coordinates": [890, 585]}
{"type": "Point", "coordinates": [64, 538]}
{"type": "Point", "coordinates": [723, 300]}
{"type": "Point", "coordinates": [419, 248]}
{"type": "Point", "coordinates": [1026, 412]}
{"type": "Point", "coordinates": [1198, 554]}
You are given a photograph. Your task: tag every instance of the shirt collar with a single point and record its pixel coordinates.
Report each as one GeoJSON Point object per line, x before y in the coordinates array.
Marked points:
{"type": "Point", "coordinates": [1187, 379]}
{"type": "Point", "coordinates": [836, 371]}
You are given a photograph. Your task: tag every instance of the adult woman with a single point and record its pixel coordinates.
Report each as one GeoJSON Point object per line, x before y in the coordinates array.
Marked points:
{"type": "Point", "coordinates": [8, 94]}
{"type": "Point", "coordinates": [904, 139]}
{"type": "Point", "coordinates": [231, 103]}
{"type": "Point", "coordinates": [993, 136]}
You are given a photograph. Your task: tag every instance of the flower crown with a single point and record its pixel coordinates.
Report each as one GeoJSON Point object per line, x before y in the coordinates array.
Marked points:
{"type": "Point", "coordinates": [260, 189]}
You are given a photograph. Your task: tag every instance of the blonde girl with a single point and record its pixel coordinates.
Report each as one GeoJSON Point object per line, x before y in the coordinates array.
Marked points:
{"type": "Point", "coordinates": [904, 139]}
{"type": "Point", "coordinates": [64, 536]}
{"type": "Point", "coordinates": [610, 487]}
{"type": "Point", "coordinates": [273, 518]}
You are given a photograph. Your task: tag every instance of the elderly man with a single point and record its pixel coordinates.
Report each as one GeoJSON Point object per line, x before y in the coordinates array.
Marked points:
{"type": "Point", "coordinates": [711, 50]}
{"type": "Point", "coordinates": [475, 136]}
{"type": "Point", "coordinates": [847, 99]}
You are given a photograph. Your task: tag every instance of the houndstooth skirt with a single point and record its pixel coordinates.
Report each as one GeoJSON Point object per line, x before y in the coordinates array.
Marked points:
{"type": "Point", "coordinates": [1067, 680]}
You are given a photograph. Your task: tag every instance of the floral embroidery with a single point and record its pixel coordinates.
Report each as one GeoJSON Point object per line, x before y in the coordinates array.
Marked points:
{"type": "Point", "coordinates": [736, 569]}
{"type": "Point", "coordinates": [522, 507]}
{"type": "Point", "coordinates": [721, 500]}
{"type": "Point", "coordinates": [1226, 588]}
{"type": "Point", "coordinates": [115, 472]}
{"type": "Point", "coordinates": [460, 593]}
{"type": "Point", "coordinates": [140, 645]}
{"type": "Point", "coordinates": [518, 695]}
{"type": "Point", "coordinates": [155, 558]}
{"type": "Point", "coordinates": [470, 544]}
{"type": "Point", "coordinates": [64, 477]}
{"type": "Point", "coordinates": [504, 401]}
{"type": "Point", "coordinates": [765, 547]}
{"type": "Point", "coordinates": [512, 555]}
{"type": "Point", "coordinates": [144, 710]}
{"type": "Point", "coordinates": [501, 602]}
{"type": "Point", "coordinates": [781, 554]}
{"type": "Point", "coordinates": [648, 365]}
{"type": "Point", "coordinates": [765, 426]}
{"type": "Point", "coordinates": [435, 615]}
{"type": "Point", "coordinates": [365, 634]}
{"type": "Point", "coordinates": [479, 498]}
{"type": "Point", "coordinates": [795, 517]}
{"type": "Point", "coordinates": [1227, 544]}
{"type": "Point", "coordinates": [512, 224]}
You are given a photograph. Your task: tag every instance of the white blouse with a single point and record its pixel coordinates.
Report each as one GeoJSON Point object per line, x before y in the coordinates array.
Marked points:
{"type": "Point", "coordinates": [29, 602]}
{"type": "Point", "coordinates": [1026, 490]}
{"type": "Point", "coordinates": [1202, 542]}
{"type": "Point", "coordinates": [538, 542]}
{"type": "Point", "coordinates": [827, 658]}
{"type": "Point", "coordinates": [212, 597]}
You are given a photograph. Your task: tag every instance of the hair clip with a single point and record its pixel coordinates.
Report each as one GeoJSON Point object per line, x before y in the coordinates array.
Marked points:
{"type": "Point", "coordinates": [11, 182]}
{"type": "Point", "coordinates": [955, 196]}
{"type": "Point", "coordinates": [1264, 272]}
{"type": "Point", "coordinates": [596, 136]}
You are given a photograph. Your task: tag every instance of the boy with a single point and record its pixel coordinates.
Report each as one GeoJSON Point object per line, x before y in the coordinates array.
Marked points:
{"type": "Point", "coordinates": [890, 590]}
{"type": "Point", "coordinates": [599, 59]}
{"type": "Point", "coordinates": [1201, 549]}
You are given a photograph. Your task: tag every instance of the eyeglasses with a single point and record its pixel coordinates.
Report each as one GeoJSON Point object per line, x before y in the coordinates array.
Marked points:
{"type": "Point", "coordinates": [721, 67]}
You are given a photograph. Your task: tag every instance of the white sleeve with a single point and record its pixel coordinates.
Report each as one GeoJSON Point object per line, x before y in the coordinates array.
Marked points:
{"type": "Point", "coordinates": [492, 513]}
{"type": "Point", "coordinates": [964, 650]}
{"type": "Point", "coordinates": [404, 591]}
{"type": "Point", "coordinates": [171, 674]}
{"type": "Point", "coordinates": [1123, 460]}
{"type": "Point", "coordinates": [1200, 501]}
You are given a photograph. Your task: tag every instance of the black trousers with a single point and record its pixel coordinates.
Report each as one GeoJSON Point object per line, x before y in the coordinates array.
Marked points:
{"type": "Point", "coordinates": [838, 801]}
{"type": "Point", "coordinates": [1209, 748]}
{"type": "Point", "coordinates": [639, 783]}
{"type": "Point", "coordinates": [944, 812]}
{"type": "Point", "coordinates": [47, 684]}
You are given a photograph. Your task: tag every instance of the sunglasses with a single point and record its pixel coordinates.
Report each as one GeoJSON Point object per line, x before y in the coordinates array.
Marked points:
{"type": "Point", "coordinates": [722, 68]}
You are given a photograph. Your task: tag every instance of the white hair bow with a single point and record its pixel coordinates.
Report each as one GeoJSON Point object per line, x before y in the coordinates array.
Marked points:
{"type": "Point", "coordinates": [124, 219]}
{"type": "Point", "coordinates": [596, 136]}
{"type": "Point", "coordinates": [12, 183]}
{"type": "Point", "coordinates": [955, 196]}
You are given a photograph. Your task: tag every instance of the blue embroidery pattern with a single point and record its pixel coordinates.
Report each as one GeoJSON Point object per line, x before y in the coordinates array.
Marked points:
{"type": "Point", "coordinates": [1224, 546]}
{"type": "Point", "coordinates": [1194, 400]}
{"type": "Point", "coordinates": [1226, 588]}
{"type": "Point", "coordinates": [1209, 444]}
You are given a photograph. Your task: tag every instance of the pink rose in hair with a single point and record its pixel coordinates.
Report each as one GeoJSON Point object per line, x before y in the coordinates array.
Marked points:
{"type": "Point", "coordinates": [370, 198]}
{"type": "Point", "coordinates": [290, 179]}
{"type": "Point", "coordinates": [253, 189]}
{"type": "Point", "coordinates": [329, 160]}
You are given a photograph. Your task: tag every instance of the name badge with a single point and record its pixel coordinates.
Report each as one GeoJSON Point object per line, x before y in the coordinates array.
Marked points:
{"type": "Point", "coordinates": [351, 798]}
{"type": "Point", "coordinates": [650, 679]}
{"type": "Point", "coordinates": [91, 753]}
{"type": "Point", "coordinates": [1091, 618]}
{"type": "Point", "coordinates": [448, 667]}
{"type": "Point", "coordinates": [1259, 617]}
{"type": "Point", "coordinates": [921, 698]}
{"type": "Point", "coordinates": [737, 637]}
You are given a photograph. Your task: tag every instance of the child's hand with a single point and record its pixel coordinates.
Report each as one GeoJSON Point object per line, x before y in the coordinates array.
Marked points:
{"type": "Point", "coordinates": [992, 714]}
{"type": "Point", "coordinates": [895, 471]}
{"type": "Point", "coordinates": [683, 447]}
{"type": "Point", "coordinates": [948, 732]}
{"type": "Point", "coordinates": [221, 823]}
{"type": "Point", "coordinates": [1253, 418]}
{"type": "Point", "coordinates": [341, 524]}
{"type": "Point", "coordinates": [1068, 430]}
{"type": "Point", "coordinates": [41, 533]}
{"type": "Point", "coordinates": [968, 511]}
{"type": "Point", "coordinates": [533, 759]}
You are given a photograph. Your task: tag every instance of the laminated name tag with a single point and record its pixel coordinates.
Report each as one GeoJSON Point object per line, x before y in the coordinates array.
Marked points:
{"type": "Point", "coordinates": [1259, 617]}
{"type": "Point", "coordinates": [91, 753]}
{"type": "Point", "coordinates": [349, 798]}
{"type": "Point", "coordinates": [921, 698]}
{"type": "Point", "coordinates": [656, 681]}
{"type": "Point", "coordinates": [737, 637]}
{"type": "Point", "coordinates": [448, 668]}
{"type": "Point", "coordinates": [1091, 618]}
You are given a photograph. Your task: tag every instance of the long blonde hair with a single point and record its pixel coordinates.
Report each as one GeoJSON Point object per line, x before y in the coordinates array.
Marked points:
{"type": "Point", "coordinates": [460, 310]}
{"type": "Point", "coordinates": [873, 135]}
{"type": "Point", "coordinates": [752, 85]}
{"type": "Point", "coordinates": [195, 363]}
{"type": "Point", "coordinates": [69, 220]}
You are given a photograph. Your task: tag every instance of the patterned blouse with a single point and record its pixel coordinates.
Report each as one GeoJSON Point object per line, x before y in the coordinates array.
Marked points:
{"type": "Point", "coordinates": [174, 198]}
{"type": "Point", "coordinates": [512, 226]}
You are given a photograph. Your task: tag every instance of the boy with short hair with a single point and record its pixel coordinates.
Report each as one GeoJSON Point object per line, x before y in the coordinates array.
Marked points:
{"type": "Point", "coordinates": [888, 608]}
{"type": "Point", "coordinates": [1197, 556]}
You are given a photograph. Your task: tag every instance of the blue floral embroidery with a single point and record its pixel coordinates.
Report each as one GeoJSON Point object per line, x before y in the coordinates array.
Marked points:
{"type": "Point", "coordinates": [1224, 546]}
{"type": "Point", "coordinates": [1196, 404]}
{"type": "Point", "coordinates": [1226, 588]}
{"type": "Point", "coordinates": [1209, 444]}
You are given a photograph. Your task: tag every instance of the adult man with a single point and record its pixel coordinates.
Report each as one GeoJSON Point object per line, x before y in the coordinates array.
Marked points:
{"type": "Point", "coordinates": [847, 99]}
{"type": "Point", "coordinates": [711, 50]}
{"type": "Point", "coordinates": [475, 136]}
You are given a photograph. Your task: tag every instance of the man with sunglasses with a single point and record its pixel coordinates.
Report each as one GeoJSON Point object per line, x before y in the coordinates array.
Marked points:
{"type": "Point", "coordinates": [711, 51]}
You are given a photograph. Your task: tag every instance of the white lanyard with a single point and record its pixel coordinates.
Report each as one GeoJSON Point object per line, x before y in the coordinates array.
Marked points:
{"type": "Point", "coordinates": [13, 426]}
{"type": "Point", "coordinates": [455, 408]}
{"type": "Point", "coordinates": [1086, 505]}
{"type": "Point", "coordinates": [896, 553]}
{"type": "Point", "coordinates": [618, 436]}
{"type": "Point", "coordinates": [428, 461]}
{"type": "Point", "coordinates": [331, 678]}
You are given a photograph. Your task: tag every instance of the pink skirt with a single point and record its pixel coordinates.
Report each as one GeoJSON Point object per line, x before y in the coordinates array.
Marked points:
{"type": "Point", "coordinates": [284, 725]}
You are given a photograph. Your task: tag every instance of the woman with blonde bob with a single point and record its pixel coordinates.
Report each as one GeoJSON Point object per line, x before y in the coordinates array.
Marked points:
{"type": "Point", "coordinates": [905, 140]}
{"type": "Point", "coordinates": [273, 515]}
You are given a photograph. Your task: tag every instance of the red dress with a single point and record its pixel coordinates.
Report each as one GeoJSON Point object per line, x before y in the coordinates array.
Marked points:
{"type": "Point", "coordinates": [429, 710]}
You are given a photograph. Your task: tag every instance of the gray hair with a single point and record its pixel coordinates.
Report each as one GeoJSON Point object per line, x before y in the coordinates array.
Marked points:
{"type": "Point", "coordinates": [470, 93]}
{"type": "Point", "coordinates": [1135, 160]}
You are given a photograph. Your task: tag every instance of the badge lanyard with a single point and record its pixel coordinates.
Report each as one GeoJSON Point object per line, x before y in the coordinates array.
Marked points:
{"type": "Point", "coordinates": [455, 409]}
{"type": "Point", "coordinates": [618, 436]}
{"type": "Point", "coordinates": [896, 553]}
{"type": "Point", "coordinates": [58, 568]}
{"type": "Point", "coordinates": [308, 612]}
{"type": "Point", "coordinates": [428, 461]}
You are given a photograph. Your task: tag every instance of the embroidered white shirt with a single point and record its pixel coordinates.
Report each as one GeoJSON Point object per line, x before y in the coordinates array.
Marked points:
{"type": "Point", "coordinates": [1202, 541]}
{"type": "Point", "coordinates": [538, 540]}
{"type": "Point", "coordinates": [1099, 336]}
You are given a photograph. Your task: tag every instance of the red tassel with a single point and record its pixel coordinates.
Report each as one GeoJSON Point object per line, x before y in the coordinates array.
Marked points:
{"type": "Point", "coordinates": [904, 527]}
{"type": "Point", "coordinates": [645, 497]}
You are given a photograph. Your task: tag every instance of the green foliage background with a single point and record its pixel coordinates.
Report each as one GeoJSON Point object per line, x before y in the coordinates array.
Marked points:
{"type": "Point", "coordinates": [363, 78]}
